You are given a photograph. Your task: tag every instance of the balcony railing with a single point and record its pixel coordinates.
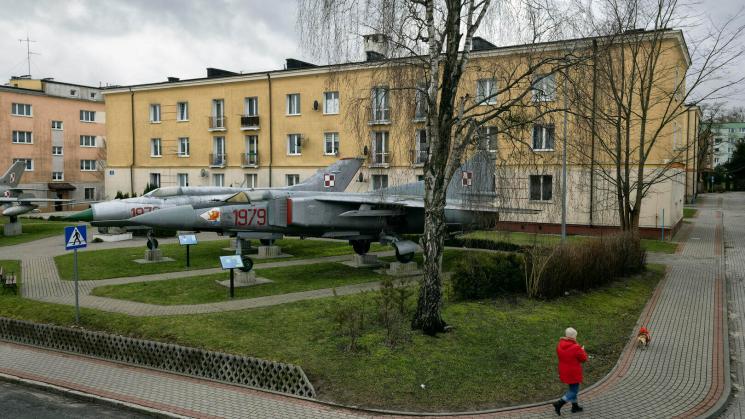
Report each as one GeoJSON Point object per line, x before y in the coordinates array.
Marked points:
{"type": "Point", "coordinates": [381, 116]}
{"type": "Point", "coordinates": [218, 123]}
{"type": "Point", "coordinates": [218, 160]}
{"type": "Point", "coordinates": [250, 159]}
{"type": "Point", "coordinates": [381, 159]}
{"type": "Point", "coordinates": [418, 157]}
{"type": "Point", "coordinates": [249, 122]}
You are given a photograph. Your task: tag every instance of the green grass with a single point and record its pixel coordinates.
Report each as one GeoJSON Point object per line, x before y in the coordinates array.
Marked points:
{"type": "Point", "coordinates": [33, 229]}
{"type": "Point", "coordinates": [204, 289]}
{"type": "Point", "coordinates": [689, 212]}
{"type": "Point", "coordinates": [12, 266]}
{"type": "Point", "coordinates": [500, 352]}
{"type": "Point", "coordinates": [527, 239]}
{"type": "Point", "coordinates": [115, 263]}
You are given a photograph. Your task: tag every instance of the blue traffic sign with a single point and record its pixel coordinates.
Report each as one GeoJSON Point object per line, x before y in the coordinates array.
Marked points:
{"type": "Point", "coordinates": [76, 237]}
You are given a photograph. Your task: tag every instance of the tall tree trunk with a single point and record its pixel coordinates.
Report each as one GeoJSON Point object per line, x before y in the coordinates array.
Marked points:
{"type": "Point", "coordinates": [428, 311]}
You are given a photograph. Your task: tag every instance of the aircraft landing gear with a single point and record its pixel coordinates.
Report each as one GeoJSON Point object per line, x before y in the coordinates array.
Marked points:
{"type": "Point", "coordinates": [404, 258]}
{"type": "Point", "coordinates": [360, 247]}
{"type": "Point", "coordinates": [248, 264]}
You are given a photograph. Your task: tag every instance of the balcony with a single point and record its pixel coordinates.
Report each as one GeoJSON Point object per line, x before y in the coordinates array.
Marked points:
{"type": "Point", "coordinates": [218, 160]}
{"type": "Point", "coordinates": [418, 157]}
{"type": "Point", "coordinates": [218, 123]}
{"type": "Point", "coordinates": [249, 122]}
{"type": "Point", "coordinates": [250, 160]}
{"type": "Point", "coordinates": [380, 159]}
{"type": "Point", "coordinates": [380, 116]}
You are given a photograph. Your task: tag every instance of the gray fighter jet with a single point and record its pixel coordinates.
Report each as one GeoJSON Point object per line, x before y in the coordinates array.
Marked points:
{"type": "Point", "coordinates": [13, 200]}
{"type": "Point", "coordinates": [361, 218]}
{"type": "Point", "coordinates": [335, 177]}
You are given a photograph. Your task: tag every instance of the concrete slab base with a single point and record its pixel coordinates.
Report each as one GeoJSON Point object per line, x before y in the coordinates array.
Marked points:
{"type": "Point", "coordinates": [403, 269]}
{"type": "Point", "coordinates": [161, 260]}
{"type": "Point", "coordinates": [12, 229]}
{"type": "Point", "coordinates": [113, 237]}
{"type": "Point", "coordinates": [154, 256]}
{"type": "Point", "coordinates": [245, 279]}
{"type": "Point", "coordinates": [364, 261]}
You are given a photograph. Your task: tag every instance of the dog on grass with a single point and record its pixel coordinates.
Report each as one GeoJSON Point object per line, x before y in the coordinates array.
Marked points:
{"type": "Point", "coordinates": [643, 338]}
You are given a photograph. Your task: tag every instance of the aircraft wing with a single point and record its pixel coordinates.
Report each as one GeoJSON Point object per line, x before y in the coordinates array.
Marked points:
{"type": "Point", "coordinates": [13, 200]}
{"type": "Point", "coordinates": [404, 201]}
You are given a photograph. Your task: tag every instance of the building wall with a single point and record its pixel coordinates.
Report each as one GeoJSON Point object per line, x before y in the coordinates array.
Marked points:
{"type": "Point", "coordinates": [726, 137]}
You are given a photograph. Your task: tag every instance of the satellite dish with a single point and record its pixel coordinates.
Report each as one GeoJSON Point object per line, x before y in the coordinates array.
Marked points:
{"type": "Point", "coordinates": [315, 105]}
{"type": "Point", "coordinates": [203, 173]}
{"type": "Point", "coordinates": [365, 151]}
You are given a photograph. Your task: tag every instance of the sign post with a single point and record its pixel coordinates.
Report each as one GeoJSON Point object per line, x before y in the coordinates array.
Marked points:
{"type": "Point", "coordinates": [187, 240]}
{"type": "Point", "coordinates": [76, 237]}
{"type": "Point", "coordinates": [231, 262]}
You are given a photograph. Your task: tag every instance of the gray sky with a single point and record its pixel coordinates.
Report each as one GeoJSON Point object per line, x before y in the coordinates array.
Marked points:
{"type": "Point", "coordinates": [139, 41]}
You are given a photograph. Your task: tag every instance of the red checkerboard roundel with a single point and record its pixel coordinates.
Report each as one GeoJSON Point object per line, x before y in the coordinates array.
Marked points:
{"type": "Point", "coordinates": [12, 177]}
{"type": "Point", "coordinates": [7, 194]}
{"type": "Point", "coordinates": [328, 180]}
{"type": "Point", "coordinates": [467, 178]}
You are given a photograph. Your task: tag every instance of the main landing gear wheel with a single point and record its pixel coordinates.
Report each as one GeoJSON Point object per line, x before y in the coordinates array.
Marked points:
{"type": "Point", "coordinates": [405, 258]}
{"type": "Point", "coordinates": [248, 264]}
{"type": "Point", "coordinates": [360, 247]}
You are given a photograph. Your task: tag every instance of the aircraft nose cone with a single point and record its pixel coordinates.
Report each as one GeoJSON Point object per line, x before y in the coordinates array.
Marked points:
{"type": "Point", "coordinates": [85, 215]}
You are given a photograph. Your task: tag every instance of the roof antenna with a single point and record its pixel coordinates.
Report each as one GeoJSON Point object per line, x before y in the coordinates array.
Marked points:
{"type": "Point", "coordinates": [28, 52]}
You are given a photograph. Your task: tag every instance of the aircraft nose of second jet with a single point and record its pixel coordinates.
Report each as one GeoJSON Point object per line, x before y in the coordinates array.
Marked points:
{"type": "Point", "coordinates": [85, 215]}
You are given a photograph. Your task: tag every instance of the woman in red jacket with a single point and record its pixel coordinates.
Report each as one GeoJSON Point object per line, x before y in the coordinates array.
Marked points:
{"type": "Point", "coordinates": [571, 356]}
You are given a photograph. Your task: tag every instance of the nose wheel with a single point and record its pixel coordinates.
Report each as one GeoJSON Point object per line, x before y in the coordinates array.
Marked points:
{"type": "Point", "coordinates": [248, 264]}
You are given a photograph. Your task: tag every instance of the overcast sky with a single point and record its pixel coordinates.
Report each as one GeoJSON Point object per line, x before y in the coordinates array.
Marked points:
{"type": "Point", "coordinates": [137, 41]}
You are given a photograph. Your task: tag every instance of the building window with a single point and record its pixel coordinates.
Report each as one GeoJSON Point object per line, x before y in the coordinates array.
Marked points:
{"type": "Point", "coordinates": [155, 180]}
{"type": "Point", "coordinates": [87, 165]}
{"type": "Point", "coordinates": [20, 109]}
{"type": "Point", "coordinates": [331, 143]}
{"type": "Point", "coordinates": [218, 151]}
{"type": "Point", "coordinates": [293, 104]}
{"type": "Point", "coordinates": [155, 147]}
{"type": "Point", "coordinates": [252, 180]}
{"type": "Point", "coordinates": [331, 103]}
{"type": "Point", "coordinates": [488, 138]}
{"type": "Point", "coordinates": [251, 106]}
{"type": "Point", "coordinates": [421, 104]}
{"type": "Point", "coordinates": [541, 187]}
{"type": "Point", "coordinates": [421, 148]}
{"type": "Point", "coordinates": [486, 91]}
{"type": "Point", "coordinates": [717, 141]}
{"type": "Point", "coordinates": [183, 179]}
{"type": "Point", "coordinates": [731, 130]}
{"type": "Point", "coordinates": [183, 147]}
{"type": "Point", "coordinates": [543, 137]}
{"type": "Point", "coordinates": [381, 111]}
{"type": "Point", "coordinates": [29, 164]}
{"type": "Point", "coordinates": [87, 141]}
{"type": "Point", "coordinates": [90, 194]}
{"type": "Point", "coordinates": [155, 113]}
{"type": "Point", "coordinates": [252, 150]}
{"type": "Point", "coordinates": [380, 147]}
{"type": "Point", "coordinates": [294, 144]}
{"type": "Point", "coordinates": [88, 116]}
{"type": "Point", "coordinates": [218, 179]}
{"type": "Point", "coordinates": [57, 125]}
{"type": "Point", "coordinates": [217, 120]}
{"type": "Point", "coordinates": [379, 182]}
{"type": "Point", "coordinates": [56, 150]}
{"type": "Point", "coordinates": [182, 111]}
{"type": "Point", "coordinates": [544, 88]}
{"type": "Point", "coordinates": [58, 176]}
{"type": "Point", "coordinates": [23, 137]}
{"type": "Point", "coordinates": [292, 179]}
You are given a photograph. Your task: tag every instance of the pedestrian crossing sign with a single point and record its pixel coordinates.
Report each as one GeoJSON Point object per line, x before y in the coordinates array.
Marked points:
{"type": "Point", "coordinates": [75, 237]}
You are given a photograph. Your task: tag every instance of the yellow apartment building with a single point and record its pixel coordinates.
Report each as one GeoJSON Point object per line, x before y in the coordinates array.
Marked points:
{"type": "Point", "coordinates": [275, 128]}
{"type": "Point", "coordinates": [58, 129]}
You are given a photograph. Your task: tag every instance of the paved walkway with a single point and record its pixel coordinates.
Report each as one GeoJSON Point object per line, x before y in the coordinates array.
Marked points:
{"type": "Point", "coordinates": [684, 373]}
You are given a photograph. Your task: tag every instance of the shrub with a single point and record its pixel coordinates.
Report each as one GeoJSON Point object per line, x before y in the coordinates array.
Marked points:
{"type": "Point", "coordinates": [349, 322]}
{"type": "Point", "coordinates": [552, 271]}
{"type": "Point", "coordinates": [393, 311]}
{"type": "Point", "coordinates": [483, 244]}
{"type": "Point", "coordinates": [486, 275]}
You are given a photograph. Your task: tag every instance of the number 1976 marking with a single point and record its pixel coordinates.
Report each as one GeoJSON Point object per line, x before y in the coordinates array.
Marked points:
{"type": "Point", "coordinates": [250, 216]}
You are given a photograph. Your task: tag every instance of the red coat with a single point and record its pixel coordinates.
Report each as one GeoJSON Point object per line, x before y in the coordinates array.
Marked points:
{"type": "Point", "coordinates": [571, 357]}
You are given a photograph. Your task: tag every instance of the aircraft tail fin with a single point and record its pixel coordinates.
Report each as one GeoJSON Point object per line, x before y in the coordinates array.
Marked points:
{"type": "Point", "coordinates": [474, 181]}
{"type": "Point", "coordinates": [333, 178]}
{"type": "Point", "coordinates": [12, 177]}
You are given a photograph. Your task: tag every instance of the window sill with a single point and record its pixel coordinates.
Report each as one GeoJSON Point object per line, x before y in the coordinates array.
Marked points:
{"type": "Point", "coordinates": [219, 129]}
{"type": "Point", "coordinates": [380, 165]}
{"type": "Point", "coordinates": [22, 116]}
{"type": "Point", "coordinates": [541, 201]}
{"type": "Point", "coordinates": [379, 123]}
{"type": "Point", "coordinates": [331, 113]}
{"type": "Point", "coordinates": [156, 157]}
{"type": "Point", "coordinates": [543, 150]}
{"type": "Point", "coordinates": [182, 156]}
{"type": "Point", "coordinates": [487, 103]}
{"type": "Point", "coordinates": [15, 142]}
{"type": "Point", "coordinates": [543, 100]}
{"type": "Point", "coordinates": [57, 155]}
{"type": "Point", "coordinates": [293, 114]}
{"type": "Point", "coordinates": [155, 122]}
{"type": "Point", "coordinates": [182, 120]}
{"type": "Point", "coordinates": [88, 146]}
{"type": "Point", "coordinates": [88, 122]}
{"type": "Point", "coordinates": [294, 154]}
{"type": "Point", "coordinates": [57, 129]}
{"type": "Point", "coordinates": [251, 128]}
{"type": "Point", "coordinates": [331, 154]}
{"type": "Point", "coordinates": [419, 119]}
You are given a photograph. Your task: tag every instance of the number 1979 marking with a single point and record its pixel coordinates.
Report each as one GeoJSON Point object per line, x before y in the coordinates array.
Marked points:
{"type": "Point", "coordinates": [250, 216]}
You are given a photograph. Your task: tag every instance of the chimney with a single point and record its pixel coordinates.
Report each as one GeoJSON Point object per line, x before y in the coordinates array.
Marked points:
{"type": "Point", "coordinates": [173, 79]}
{"type": "Point", "coordinates": [376, 46]}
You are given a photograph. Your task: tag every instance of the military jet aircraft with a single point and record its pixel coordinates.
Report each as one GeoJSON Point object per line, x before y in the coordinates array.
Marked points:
{"type": "Point", "coordinates": [361, 218]}
{"type": "Point", "coordinates": [12, 198]}
{"type": "Point", "coordinates": [335, 177]}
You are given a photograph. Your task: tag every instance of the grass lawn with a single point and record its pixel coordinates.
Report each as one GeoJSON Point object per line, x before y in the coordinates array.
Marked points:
{"type": "Point", "coordinates": [205, 289]}
{"type": "Point", "coordinates": [114, 263]}
{"type": "Point", "coordinates": [689, 212]}
{"type": "Point", "coordinates": [526, 239]}
{"type": "Point", "coordinates": [33, 229]}
{"type": "Point", "coordinates": [500, 352]}
{"type": "Point", "coordinates": [13, 266]}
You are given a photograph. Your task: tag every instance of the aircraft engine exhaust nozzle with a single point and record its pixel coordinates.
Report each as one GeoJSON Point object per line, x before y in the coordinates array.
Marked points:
{"type": "Point", "coordinates": [85, 215]}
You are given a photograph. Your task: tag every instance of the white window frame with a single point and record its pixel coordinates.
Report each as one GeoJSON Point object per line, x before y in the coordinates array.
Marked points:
{"type": "Point", "coordinates": [293, 104]}
{"type": "Point", "coordinates": [251, 106]}
{"type": "Point", "coordinates": [292, 179]}
{"type": "Point", "coordinates": [379, 181]}
{"type": "Point", "coordinates": [22, 109]}
{"type": "Point", "coordinates": [58, 125]}
{"type": "Point", "coordinates": [88, 165]}
{"type": "Point", "coordinates": [28, 137]}
{"type": "Point", "coordinates": [155, 113]}
{"type": "Point", "coordinates": [88, 141]}
{"type": "Point", "coordinates": [294, 144]}
{"type": "Point", "coordinates": [183, 147]}
{"type": "Point", "coordinates": [485, 134]}
{"type": "Point", "coordinates": [544, 137]}
{"type": "Point", "coordinates": [420, 154]}
{"type": "Point", "coordinates": [486, 91]}
{"type": "Point", "coordinates": [219, 151]}
{"type": "Point", "coordinates": [156, 147]}
{"type": "Point", "coordinates": [57, 148]}
{"type": "Point", "coordinates": [330, 103]}
{"type": "Point", "coordinates": [182, 111]}
{"type": "Point", "coordinates": [384, 144]}
{"type": "Point", "coordinates": [331, 138]}
{"type": "Point", "coordinates": [92, 195]}
{"type": "Point", "coordinates": [380, 104]}
{"type": "Point", "coordinates": [420, 103]}
{"type": "Point", "coordinates": [87, 116]}
{"type": "Point", "coordinates": [29, 164]}
{"type": "Point", "coordinates": [252, 147]}
{"type": "Point", "coordinates": [182, 179]}
{"type": "Point", "coordinates": [61, 176]}
{"type": "Point", "coordinates": [542, 185]}
{"type": "Point", "coordinates": [544, 87]}
{"type": "Point", "coordinates": [252, 180]}
{"type": "Point", "coordinates": [218, 179]}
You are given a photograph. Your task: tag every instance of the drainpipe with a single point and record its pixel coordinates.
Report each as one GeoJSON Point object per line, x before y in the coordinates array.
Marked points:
{"type": "Point", "coordinates": [592, 127]}
{"type": "Point", "coordinates": [688, 136]}
{"type": "Point", "coordinates": [271, 142]}
{"type": "Point", "coordinates": [132, 166]}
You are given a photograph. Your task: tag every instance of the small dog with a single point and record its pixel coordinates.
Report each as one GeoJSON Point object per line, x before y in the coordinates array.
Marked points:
{"type": "Point", "coordinates": [643, 338]}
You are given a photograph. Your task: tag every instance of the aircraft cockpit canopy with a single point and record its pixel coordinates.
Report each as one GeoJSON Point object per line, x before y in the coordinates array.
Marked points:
{"type": "Point", "coordinates": [168, 191]}
{"type": "Point", "coordinates": [239, 198]}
